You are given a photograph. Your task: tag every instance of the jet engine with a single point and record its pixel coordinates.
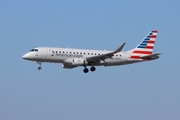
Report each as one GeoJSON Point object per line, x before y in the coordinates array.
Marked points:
{"type": "Point", "coordinates": [74, 62]}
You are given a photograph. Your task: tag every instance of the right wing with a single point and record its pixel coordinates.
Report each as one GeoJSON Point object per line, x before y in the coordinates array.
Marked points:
{"type": "Point", "coordinates": [104, 56]}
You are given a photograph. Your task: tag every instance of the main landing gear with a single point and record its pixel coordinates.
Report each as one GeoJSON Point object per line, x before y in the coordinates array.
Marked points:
{"type": "Point", "coordinates": [39, 68]}
{"type": "Point", "coordinates": [87, 70]}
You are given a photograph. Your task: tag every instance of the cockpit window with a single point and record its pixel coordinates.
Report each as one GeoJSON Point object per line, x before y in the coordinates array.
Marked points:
{"type": "Point", "coordinates": [34, 50]}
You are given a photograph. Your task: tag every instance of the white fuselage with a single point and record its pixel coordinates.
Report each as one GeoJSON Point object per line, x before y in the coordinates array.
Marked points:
{"type": "Point", "coordinates": [60, 55]}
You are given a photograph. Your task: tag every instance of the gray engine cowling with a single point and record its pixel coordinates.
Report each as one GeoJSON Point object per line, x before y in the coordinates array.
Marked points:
{"type": "Point", "coordinates": [75, 62]}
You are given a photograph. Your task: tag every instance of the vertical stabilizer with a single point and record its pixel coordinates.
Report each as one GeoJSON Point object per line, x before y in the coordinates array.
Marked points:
{"type": "Point", "coordinates": [146, 46]}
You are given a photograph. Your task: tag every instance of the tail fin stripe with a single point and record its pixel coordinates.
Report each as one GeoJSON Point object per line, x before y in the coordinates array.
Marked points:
{"type": "Point", "coordinates": [149, 47]}
{"type": "Point", "coordinates": [149, 44]}
{"type": "Point", "coordinates": [143, 44]}
{"type": "Point", "coordinates": [147, 39]}
{"type": "Point", "coordinates": [142, 52]}
{"type": "Point", "coordinates": [153, 36]}
{"type": "Point", "coordinates": [141, 47]}
{"type": "Point", "coordinates": [152, 42]}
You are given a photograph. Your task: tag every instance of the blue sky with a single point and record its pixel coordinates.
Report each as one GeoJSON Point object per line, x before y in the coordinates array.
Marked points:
{"type": "Point", "coordinates": [142, 91]}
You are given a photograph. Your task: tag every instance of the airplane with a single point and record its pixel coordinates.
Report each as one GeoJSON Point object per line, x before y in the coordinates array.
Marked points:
{"type": "Point", "coordinates": [71, 58]}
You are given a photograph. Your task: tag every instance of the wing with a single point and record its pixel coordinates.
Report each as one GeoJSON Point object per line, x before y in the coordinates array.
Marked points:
{"type": "Point", "coordinates": [156, 55]}
{"type": "Point", "coordinates": [104, 56]}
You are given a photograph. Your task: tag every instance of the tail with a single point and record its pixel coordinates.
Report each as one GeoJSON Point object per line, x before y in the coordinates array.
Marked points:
{"type": "Point", "coordinates": [146, 46]}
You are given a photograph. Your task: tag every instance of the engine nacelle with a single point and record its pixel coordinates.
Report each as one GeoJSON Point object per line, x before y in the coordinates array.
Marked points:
{"type": "Point", "coordinates": [67, 66]}
{"type": "Point", "coordinates": [75, 62]}
{"type": "Point", "coordinates": [78, 62]}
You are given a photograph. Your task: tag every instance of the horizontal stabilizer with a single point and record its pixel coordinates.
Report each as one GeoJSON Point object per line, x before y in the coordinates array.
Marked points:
{"type": "Point", "coordinates": [151, 56]}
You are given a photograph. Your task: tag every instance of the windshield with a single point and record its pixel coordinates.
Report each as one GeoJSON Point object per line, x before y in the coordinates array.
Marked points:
{"type": "Point", "coordinates": [34, 50]}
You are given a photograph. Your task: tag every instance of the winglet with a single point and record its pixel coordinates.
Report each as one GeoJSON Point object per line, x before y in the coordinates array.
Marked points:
{"type": "Point", "coordinates": [119, 49]}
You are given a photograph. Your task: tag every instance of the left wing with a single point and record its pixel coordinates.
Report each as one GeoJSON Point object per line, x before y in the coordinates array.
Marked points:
{"type": "Point", "coordinates": [104, 56]}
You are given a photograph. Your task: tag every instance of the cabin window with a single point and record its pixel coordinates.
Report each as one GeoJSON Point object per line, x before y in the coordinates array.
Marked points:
{"type": "Point", "coordinates": [77, 52]}
{"type": "Point", "coordinates": [59, 51]}
{"type": "Point", "coordinates": [73, 52]}
{"type": "Point", "coordinates": [84, 53]}
{"type": "Point", "coordinates": [91, 53]}
{"type": "Point", "coordinates": [88, 53]}
{"type": "Point", "coordinates": [63, 51]}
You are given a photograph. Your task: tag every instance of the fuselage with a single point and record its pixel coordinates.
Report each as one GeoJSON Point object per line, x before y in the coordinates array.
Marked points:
{"type": "Point", "coordinates": [59, 55]}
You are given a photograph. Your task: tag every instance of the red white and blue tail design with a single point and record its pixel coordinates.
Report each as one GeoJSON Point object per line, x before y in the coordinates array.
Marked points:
{"type": "Point", "coordinates": [146, 46]}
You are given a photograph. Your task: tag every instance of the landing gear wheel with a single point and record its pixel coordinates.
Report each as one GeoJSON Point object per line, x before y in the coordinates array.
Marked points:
{"type": "Point", "coordinates": [92, 68]}
{"type": "Point", "coordinates": [39, 68]}
{"type": "Point", "coordinates": [85, 70]}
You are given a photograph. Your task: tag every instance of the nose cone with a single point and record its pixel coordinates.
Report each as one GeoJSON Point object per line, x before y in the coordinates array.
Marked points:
{"type": "Point", "coordinates": [25, 56]}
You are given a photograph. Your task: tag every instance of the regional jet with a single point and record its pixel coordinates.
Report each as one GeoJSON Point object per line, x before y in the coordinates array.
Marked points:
{"type": "Point", "coordinates": [71, 58]}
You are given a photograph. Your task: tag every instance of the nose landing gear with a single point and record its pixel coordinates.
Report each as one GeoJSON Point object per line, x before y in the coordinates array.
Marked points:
{"type": "Point", "coordinates": [39, 68]}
